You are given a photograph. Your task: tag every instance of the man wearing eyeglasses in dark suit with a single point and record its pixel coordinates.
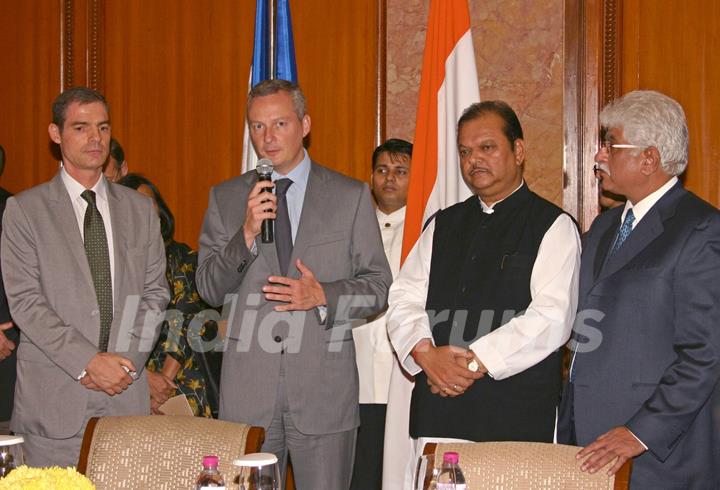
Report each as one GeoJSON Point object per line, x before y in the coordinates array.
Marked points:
{"type": "Point", "coordinates": [647, 352]}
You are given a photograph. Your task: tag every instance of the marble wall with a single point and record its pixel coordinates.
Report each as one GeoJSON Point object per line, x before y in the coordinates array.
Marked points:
{"type": "Point", "coordinates": [519, 55]}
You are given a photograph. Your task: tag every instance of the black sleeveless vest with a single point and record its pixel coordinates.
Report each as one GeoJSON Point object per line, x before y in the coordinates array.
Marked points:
{"type": "Point", "coordinates": [480, 278]}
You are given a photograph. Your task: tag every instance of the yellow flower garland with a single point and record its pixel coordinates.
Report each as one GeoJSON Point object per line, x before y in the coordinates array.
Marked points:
{"type": "Point", "coordinates": [54, 478]}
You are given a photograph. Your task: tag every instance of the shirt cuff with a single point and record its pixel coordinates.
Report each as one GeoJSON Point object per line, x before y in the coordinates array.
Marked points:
{"type": "Point", "coordinates": [409, 363]}
{"type": "Point", "coordinates": [82, 375]}
{"type": "Point", "coordinates": [637, 438]}
{"type": "Point", "coordinates": [322, 314]}
{"type": "Point", "coordinates": [491, 358]}
{"type": "Point", "coordinates": [254, 248]}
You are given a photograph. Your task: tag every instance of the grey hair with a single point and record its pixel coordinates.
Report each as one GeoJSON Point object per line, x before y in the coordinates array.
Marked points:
{"type": "Point", "coordinates": [648, 118]}
{"type": "Point", "coordinates": [270, 87]}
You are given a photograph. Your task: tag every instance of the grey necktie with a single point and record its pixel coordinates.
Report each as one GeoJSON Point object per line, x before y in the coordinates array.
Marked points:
{"type": "Point", "coordinates": [283, 231]}
{"type": "Point", "coordinates": [624, 231]}
{"type": "Point", "coordinates": [96, 249]}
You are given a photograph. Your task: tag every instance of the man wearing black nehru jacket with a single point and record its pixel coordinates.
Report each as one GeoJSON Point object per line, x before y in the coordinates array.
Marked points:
{"type": "Point", "coordinates": [289, 365]}
{"type": "Point", "coordinates": [487, 297]}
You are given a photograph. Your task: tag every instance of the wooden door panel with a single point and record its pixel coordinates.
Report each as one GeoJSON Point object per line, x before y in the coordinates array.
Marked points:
{"type": "Point", "coordinates": [672, 46]}
{"type": "Point", "coordinates": [31, 70]}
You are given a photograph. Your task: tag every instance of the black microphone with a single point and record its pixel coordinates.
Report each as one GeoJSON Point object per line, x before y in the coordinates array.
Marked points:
{"type": "Point", "coordinates": [264, 170]}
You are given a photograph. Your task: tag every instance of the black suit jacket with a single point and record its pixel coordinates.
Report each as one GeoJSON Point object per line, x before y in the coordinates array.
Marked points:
{"type": "Point", "coordinates": [649, 321]}
{"type": "Point", "coordinates": [7, 366]}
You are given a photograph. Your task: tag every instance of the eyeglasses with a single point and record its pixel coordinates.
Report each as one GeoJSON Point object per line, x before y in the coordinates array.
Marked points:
{"type": "Point", "coordinates": [609, 147]}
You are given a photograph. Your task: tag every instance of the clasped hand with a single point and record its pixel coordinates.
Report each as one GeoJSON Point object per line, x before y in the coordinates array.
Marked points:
{"type": "Point", "coordinates": [446, 368]}
{"type": "Point", "coordinates": [105, 372]}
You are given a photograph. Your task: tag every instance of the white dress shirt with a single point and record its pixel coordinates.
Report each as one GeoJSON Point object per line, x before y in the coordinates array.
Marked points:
{"type": "Point", "coordinates": [373, 352]}
{"type": "Point", "coordinates": [518, 344]}
{"type": "Point", "coordinates": [641, 208]}
{"type": "Point", "coordinates": [75, 189]}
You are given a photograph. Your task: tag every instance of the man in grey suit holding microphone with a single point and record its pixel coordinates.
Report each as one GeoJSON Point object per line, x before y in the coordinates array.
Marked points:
{"type": "Point", "coordinates": [84, 269]}
{"type": "Point", "coordinates": [289, 365]}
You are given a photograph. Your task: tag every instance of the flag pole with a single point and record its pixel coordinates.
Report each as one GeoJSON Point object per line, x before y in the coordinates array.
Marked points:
{"type": "Point", "coordinates": [271, 35]}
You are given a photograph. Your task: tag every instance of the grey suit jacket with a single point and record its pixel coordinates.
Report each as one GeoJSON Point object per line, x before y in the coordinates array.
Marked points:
{"type": "Point", "coordinates": [652, 310]}
{"type": "Point", "coordinates": [338, 238]}
{"type": "Point", "coordinates": [52, 300]}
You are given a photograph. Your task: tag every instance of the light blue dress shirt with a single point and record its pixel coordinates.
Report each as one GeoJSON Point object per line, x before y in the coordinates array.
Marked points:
{"type": "Point", "coordinates": [296, 192]}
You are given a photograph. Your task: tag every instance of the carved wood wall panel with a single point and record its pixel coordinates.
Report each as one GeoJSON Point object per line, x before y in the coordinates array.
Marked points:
{"type": "Point", "coordinates": [612, 45]}
{"type": "Point", "coordinates": [82, 48]}
{"type": "Point", "coordinates": [593, 41]}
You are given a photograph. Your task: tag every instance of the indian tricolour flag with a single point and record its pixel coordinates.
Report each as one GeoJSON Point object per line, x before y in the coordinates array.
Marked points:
{"type": "Point", "coordinates": [448, 85]}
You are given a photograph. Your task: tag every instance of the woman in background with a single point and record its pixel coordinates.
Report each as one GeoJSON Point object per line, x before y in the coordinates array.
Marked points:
{"type": "Point", "coordinates": [183, 361]}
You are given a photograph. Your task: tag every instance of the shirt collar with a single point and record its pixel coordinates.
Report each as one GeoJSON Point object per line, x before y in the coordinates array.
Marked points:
{"type": "Point", "coordinates": [491, 209]}
{"type": "Point", "coordinates": [75, 188]}
{"type": "Point", "coordinates": [641, 208]}
{"type": "Point", "coordinates": [299, 175]}
{"type": "Point", "coordinates": [393, 218]}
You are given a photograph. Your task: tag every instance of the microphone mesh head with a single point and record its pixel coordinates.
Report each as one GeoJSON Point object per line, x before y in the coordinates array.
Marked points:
{"type": "Point", "coordinates": [264, 167]}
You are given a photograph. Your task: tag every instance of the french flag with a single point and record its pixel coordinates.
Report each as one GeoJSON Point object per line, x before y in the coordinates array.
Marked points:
{"type": "Point", "coordinates": [268, 63]}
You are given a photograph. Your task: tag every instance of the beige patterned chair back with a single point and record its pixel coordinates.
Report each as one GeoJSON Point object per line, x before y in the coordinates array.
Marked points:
{"type": "Point", "coordinates": [160, 451]}
{"type": "Point", "coordinates": [526, 466]}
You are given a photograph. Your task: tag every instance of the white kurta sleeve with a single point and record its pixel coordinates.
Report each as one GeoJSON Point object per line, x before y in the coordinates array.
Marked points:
{"type": "Point", "coordinates": [546, 324]}
{"type": "Point", "coordinates": [407, 321]}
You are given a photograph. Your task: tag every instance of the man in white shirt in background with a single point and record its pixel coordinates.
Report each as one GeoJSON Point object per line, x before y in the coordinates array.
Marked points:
{"type": "Point", "coordinates": [374, 356]}
{"type": "Point", "coordinates": [486, 298]}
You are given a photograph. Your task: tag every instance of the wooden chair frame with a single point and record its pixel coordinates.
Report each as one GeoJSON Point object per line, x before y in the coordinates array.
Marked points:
{"type": "Point", "coordinates": [255, 439]}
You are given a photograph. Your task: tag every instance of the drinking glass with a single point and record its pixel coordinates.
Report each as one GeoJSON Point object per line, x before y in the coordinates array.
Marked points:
{"type": "Point", "coordinates": [11, 453]}
{"type": "Point", "coordinates": [258, 471]}
{"type": "Point", "coordinates": [425, 473]}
